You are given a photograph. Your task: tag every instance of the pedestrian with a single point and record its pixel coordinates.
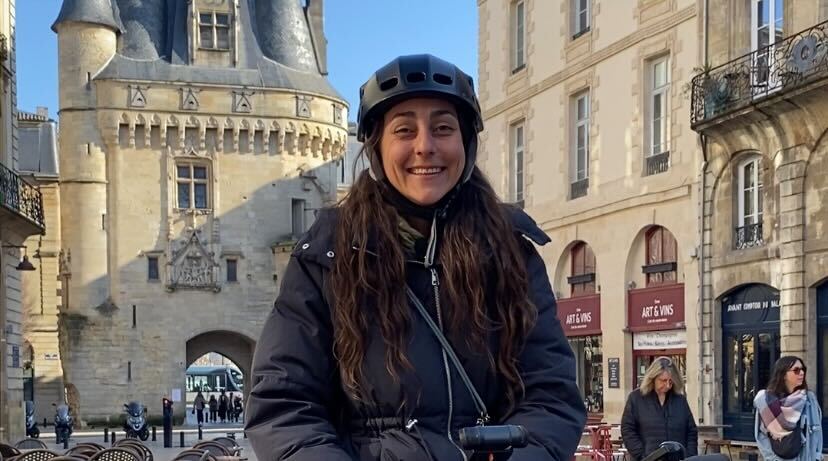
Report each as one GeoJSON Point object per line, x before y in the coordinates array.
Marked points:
{"type": "Point", "coordinates": [237, 405]}
{"type": "Point", "coordinates": [231, 409]}
{"type": "Point", "coordinates": [198, 408]}
{"type": "Point", "coordinates": [788, 415]}
{"type": "Point", "coordinates": [657, 412]}
{"type": "Point", "coordinates": [213, 403]}
{"type": "Point", "coordinates": [222, 407]}
{"type": "Point", "coordinates": [351, 363]}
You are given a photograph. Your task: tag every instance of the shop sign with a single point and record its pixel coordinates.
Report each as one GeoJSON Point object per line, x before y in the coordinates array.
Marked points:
{"type": "Point", "coordinates": [656, 308]}
{"type": "Point", "coordinates": [654, 340]}
{"type": "Point", "coordinates": [580, 316]}
{"type": "Point", "coordinates": [614, 375]}
{"type": "Point", "coordinates": [751, 305]}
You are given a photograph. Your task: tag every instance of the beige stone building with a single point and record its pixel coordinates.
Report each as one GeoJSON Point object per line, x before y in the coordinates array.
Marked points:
{"type": "Point", "coordinates": [587, 128]}
{"type": "Point", "coordinates": [42, 370]}
{"type": "Point", "coordinates": [21, 215]}
{"type": "Point", "coordinates": [760, 108]}
{"type": "Point", "coordinates": [195, 144]}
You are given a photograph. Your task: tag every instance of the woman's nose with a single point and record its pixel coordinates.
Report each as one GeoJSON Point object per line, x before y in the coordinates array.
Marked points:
{"type": "Point", "coordinates": [425, 143]}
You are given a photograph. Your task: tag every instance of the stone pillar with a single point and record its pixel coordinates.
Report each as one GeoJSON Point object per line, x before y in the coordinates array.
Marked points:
{"type": "Point", "coordinates": [790, 175]}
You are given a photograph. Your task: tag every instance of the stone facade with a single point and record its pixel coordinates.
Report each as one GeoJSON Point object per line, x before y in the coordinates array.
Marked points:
{"type": "Point", "coordinates": [773, 120]}
{"type": "Point", "coordinates": [179, 203]}
{"type": "Point", "coordinates": [621, 197]}
{"type": "Point", "coordinates": [20, 216]}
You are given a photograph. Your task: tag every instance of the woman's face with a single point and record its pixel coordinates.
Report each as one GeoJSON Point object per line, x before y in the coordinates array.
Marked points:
{"type": "Point", "coordinates": [663, 382]}
{"type": "Point", "coordinates": [795, 376]}
{"type": "Point", "coordinates": [422, 149]}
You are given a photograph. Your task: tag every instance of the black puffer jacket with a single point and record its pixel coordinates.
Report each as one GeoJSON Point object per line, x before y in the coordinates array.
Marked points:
{"type": "Point", "coordinates": [298, 411]}
{"type": "Point", "coordinates": [646, 423]}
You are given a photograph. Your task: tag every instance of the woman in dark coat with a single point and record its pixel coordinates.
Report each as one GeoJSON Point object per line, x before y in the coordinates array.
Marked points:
{"type": "Point", "coordinates": [347, 367]}
{"type": "Point", "coordinates": [657, 412]}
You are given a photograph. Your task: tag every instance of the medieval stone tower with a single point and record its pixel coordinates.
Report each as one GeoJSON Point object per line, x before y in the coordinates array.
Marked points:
{"type": "Point", "coordinates": [197, 137]}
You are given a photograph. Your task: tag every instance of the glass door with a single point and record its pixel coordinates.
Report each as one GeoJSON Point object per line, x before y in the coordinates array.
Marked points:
{"type": "Point", "coordinates": [748, 359]}
{"type": "Point", "coordinates": [767, 21]}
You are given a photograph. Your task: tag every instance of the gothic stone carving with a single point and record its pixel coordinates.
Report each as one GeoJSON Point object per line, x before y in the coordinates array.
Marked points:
{"type": "Point", "coordinates": [193, 266]}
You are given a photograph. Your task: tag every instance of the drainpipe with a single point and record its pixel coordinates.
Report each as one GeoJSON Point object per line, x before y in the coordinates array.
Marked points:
{"type": "Point", "coordinates": [700, 311]}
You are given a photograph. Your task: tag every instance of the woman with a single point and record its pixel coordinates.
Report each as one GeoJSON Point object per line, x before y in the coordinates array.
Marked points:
{"type": "Point", "coordinates": [788, 416]}
{"type": "Point", "coordinates": [657, 412]}
{"type": "Point", "coordinates": [347, 366]}
{"type": "Point", "coordinates": [213, 404]}
{"type": "Point", "coordinates": [198, 408]}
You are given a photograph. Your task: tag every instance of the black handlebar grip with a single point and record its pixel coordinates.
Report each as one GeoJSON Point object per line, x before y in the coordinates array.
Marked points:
{"type": "Point", "coordinates": [493, 438]}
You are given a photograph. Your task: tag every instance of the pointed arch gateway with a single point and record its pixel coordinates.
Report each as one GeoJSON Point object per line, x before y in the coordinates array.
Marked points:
{"type": "Point", "coordinates": [212, 379]}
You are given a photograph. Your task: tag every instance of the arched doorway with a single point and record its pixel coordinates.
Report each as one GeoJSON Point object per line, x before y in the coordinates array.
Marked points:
{"type": "Point", "coordinates": [822, 353]}
{"type": "Point", "coordinates": [218, 361]}
{"type": "Point", "coordinates": [750, 346]}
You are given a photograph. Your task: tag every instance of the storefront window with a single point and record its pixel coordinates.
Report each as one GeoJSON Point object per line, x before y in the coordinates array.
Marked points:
{"type": "Point", "coordinates": [590, 370]}
{"type": "Point", "coordinates": [642, 362]}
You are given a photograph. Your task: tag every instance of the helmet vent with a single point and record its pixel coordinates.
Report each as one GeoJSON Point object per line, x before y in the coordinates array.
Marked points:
{"type": "Point", "coordinates": [443, 79]}
{"type": "Point", "coordinates": [415, 77]}
{"type": "Point", "coordinates": [388, 84]}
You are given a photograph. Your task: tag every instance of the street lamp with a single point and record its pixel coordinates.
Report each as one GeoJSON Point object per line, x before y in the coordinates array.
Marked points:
{"type": "Point", "coordinates": [25, 264]}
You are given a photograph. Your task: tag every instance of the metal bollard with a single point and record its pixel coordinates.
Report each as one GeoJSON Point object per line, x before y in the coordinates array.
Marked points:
{"type": "Point", "coordinates": [106, 435]}
{"type": "Point", "coordinates": [113, 438]}
{"type": "Point", "coordinates": [153, 433]}
{"type": "Point", "coordinates": [245, 434]}
{"type": "Point", "coordinates": [181, 436]}
{"type": "Point", "coordinates": [199, 433]}
{"type": "Point", "coordinates": [66, 443]}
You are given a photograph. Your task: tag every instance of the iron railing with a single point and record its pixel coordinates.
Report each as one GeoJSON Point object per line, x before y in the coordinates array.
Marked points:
{"type": "Point", "coordinates": [791, 63]}
{"type": "Point", "coordinates": [21, 197]}
{"type": "Point", "coordinates": [578, 188]}
{"type": "Point", "coordinates": [658, 163]}
{"type": "Point", "coordinates": [749, 236]}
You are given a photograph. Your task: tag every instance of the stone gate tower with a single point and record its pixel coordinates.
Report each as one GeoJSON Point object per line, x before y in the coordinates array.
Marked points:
{"type": "Point", "coordinates": [197, 138]}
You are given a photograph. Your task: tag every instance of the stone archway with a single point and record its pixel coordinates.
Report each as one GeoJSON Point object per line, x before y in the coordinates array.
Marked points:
{"type": "Point", "coordinates": [235, 346]}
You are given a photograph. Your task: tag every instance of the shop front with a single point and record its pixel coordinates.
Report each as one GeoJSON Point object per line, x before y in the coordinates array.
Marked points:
{"type": "Point", "coordinates": [821, 373]}
{"type": "Point", "coordinates": [656, 319]}
{"type": "Point", "coordinates": [580, 318]}
{"type": "Point", "coordinates": [750, 346]}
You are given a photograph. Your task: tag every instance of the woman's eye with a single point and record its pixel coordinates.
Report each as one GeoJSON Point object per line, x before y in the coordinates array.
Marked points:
{"type": "Point", "coordinates": [445, 128]}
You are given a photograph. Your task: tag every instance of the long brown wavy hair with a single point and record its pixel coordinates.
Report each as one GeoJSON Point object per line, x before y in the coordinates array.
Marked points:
{"type": "Point", "coordinates": [476, 225]}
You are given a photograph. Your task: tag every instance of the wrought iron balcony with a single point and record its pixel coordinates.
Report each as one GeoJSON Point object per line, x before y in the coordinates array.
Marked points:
{"type": "Point", "coordinates": [749, 236]}
{"type": "Point", "coordinates": [578, 188]}
{"type": "Point", "coordinates": [792, 63]}
{"type": "Point", "coordinates": [658, 163]}
{"type": "Point", "coordinates": [20, 197]}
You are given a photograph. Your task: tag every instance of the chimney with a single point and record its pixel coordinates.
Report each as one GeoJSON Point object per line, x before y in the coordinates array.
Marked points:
{"type": "Point", "coordinates": [316, 22]}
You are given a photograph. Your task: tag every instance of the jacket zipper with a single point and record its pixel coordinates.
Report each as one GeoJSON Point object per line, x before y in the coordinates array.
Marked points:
{"type": "Point", "coordinates": [435, 282]}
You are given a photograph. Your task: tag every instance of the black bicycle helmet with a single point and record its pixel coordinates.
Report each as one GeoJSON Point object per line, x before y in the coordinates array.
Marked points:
{"type": "Point", "coordinates": [419, 75]}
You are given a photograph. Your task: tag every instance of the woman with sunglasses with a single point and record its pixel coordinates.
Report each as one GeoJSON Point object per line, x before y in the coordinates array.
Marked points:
{"type": "Point", "coordinates": [788, 416]}
{"type": "Point", "coordinates": [657, 412]}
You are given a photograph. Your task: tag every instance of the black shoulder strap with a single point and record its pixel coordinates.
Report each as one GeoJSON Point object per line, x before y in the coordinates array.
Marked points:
{"type": "Point", "coordinates": [478, 402]}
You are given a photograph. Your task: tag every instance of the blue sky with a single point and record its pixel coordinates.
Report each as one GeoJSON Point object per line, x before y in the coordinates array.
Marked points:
{"type": "Point", "coordinates": [362, 36]}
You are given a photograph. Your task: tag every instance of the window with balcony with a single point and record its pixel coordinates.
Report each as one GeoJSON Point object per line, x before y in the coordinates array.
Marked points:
{"type": "Point", "coordinates": [657, 116]}
{"type": "Point", "coordinates": [582, 280]}
{"type": "Point", "coordinates": [517, 163]}
{"type": "Point", "coordinates": [749, 204]}
{"type": "Point", "coordinates": [580, 17]}
{"type": "Point", "coordinates": [518, 34]}
{"type": "Point", "coordinates": [214, 31]}
{"type": "Point", "coordinates": [579, 180]}
{"type": "Point", "coordinates": [661, 254]}
{"type": "Point", "coordinates": [193, 186]}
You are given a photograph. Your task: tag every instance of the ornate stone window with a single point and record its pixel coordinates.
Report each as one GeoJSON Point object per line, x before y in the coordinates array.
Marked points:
{"type": "Point", "coordinates": [192, 186]}
{"type": "Point", "coordinates": [518, 33]}
{"type": "Point", "coordinates": [518, 135]}
{"type": "Point", "coordinates": [214, 30]}
{"type": "Point", "coordinates": [580, 17]}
